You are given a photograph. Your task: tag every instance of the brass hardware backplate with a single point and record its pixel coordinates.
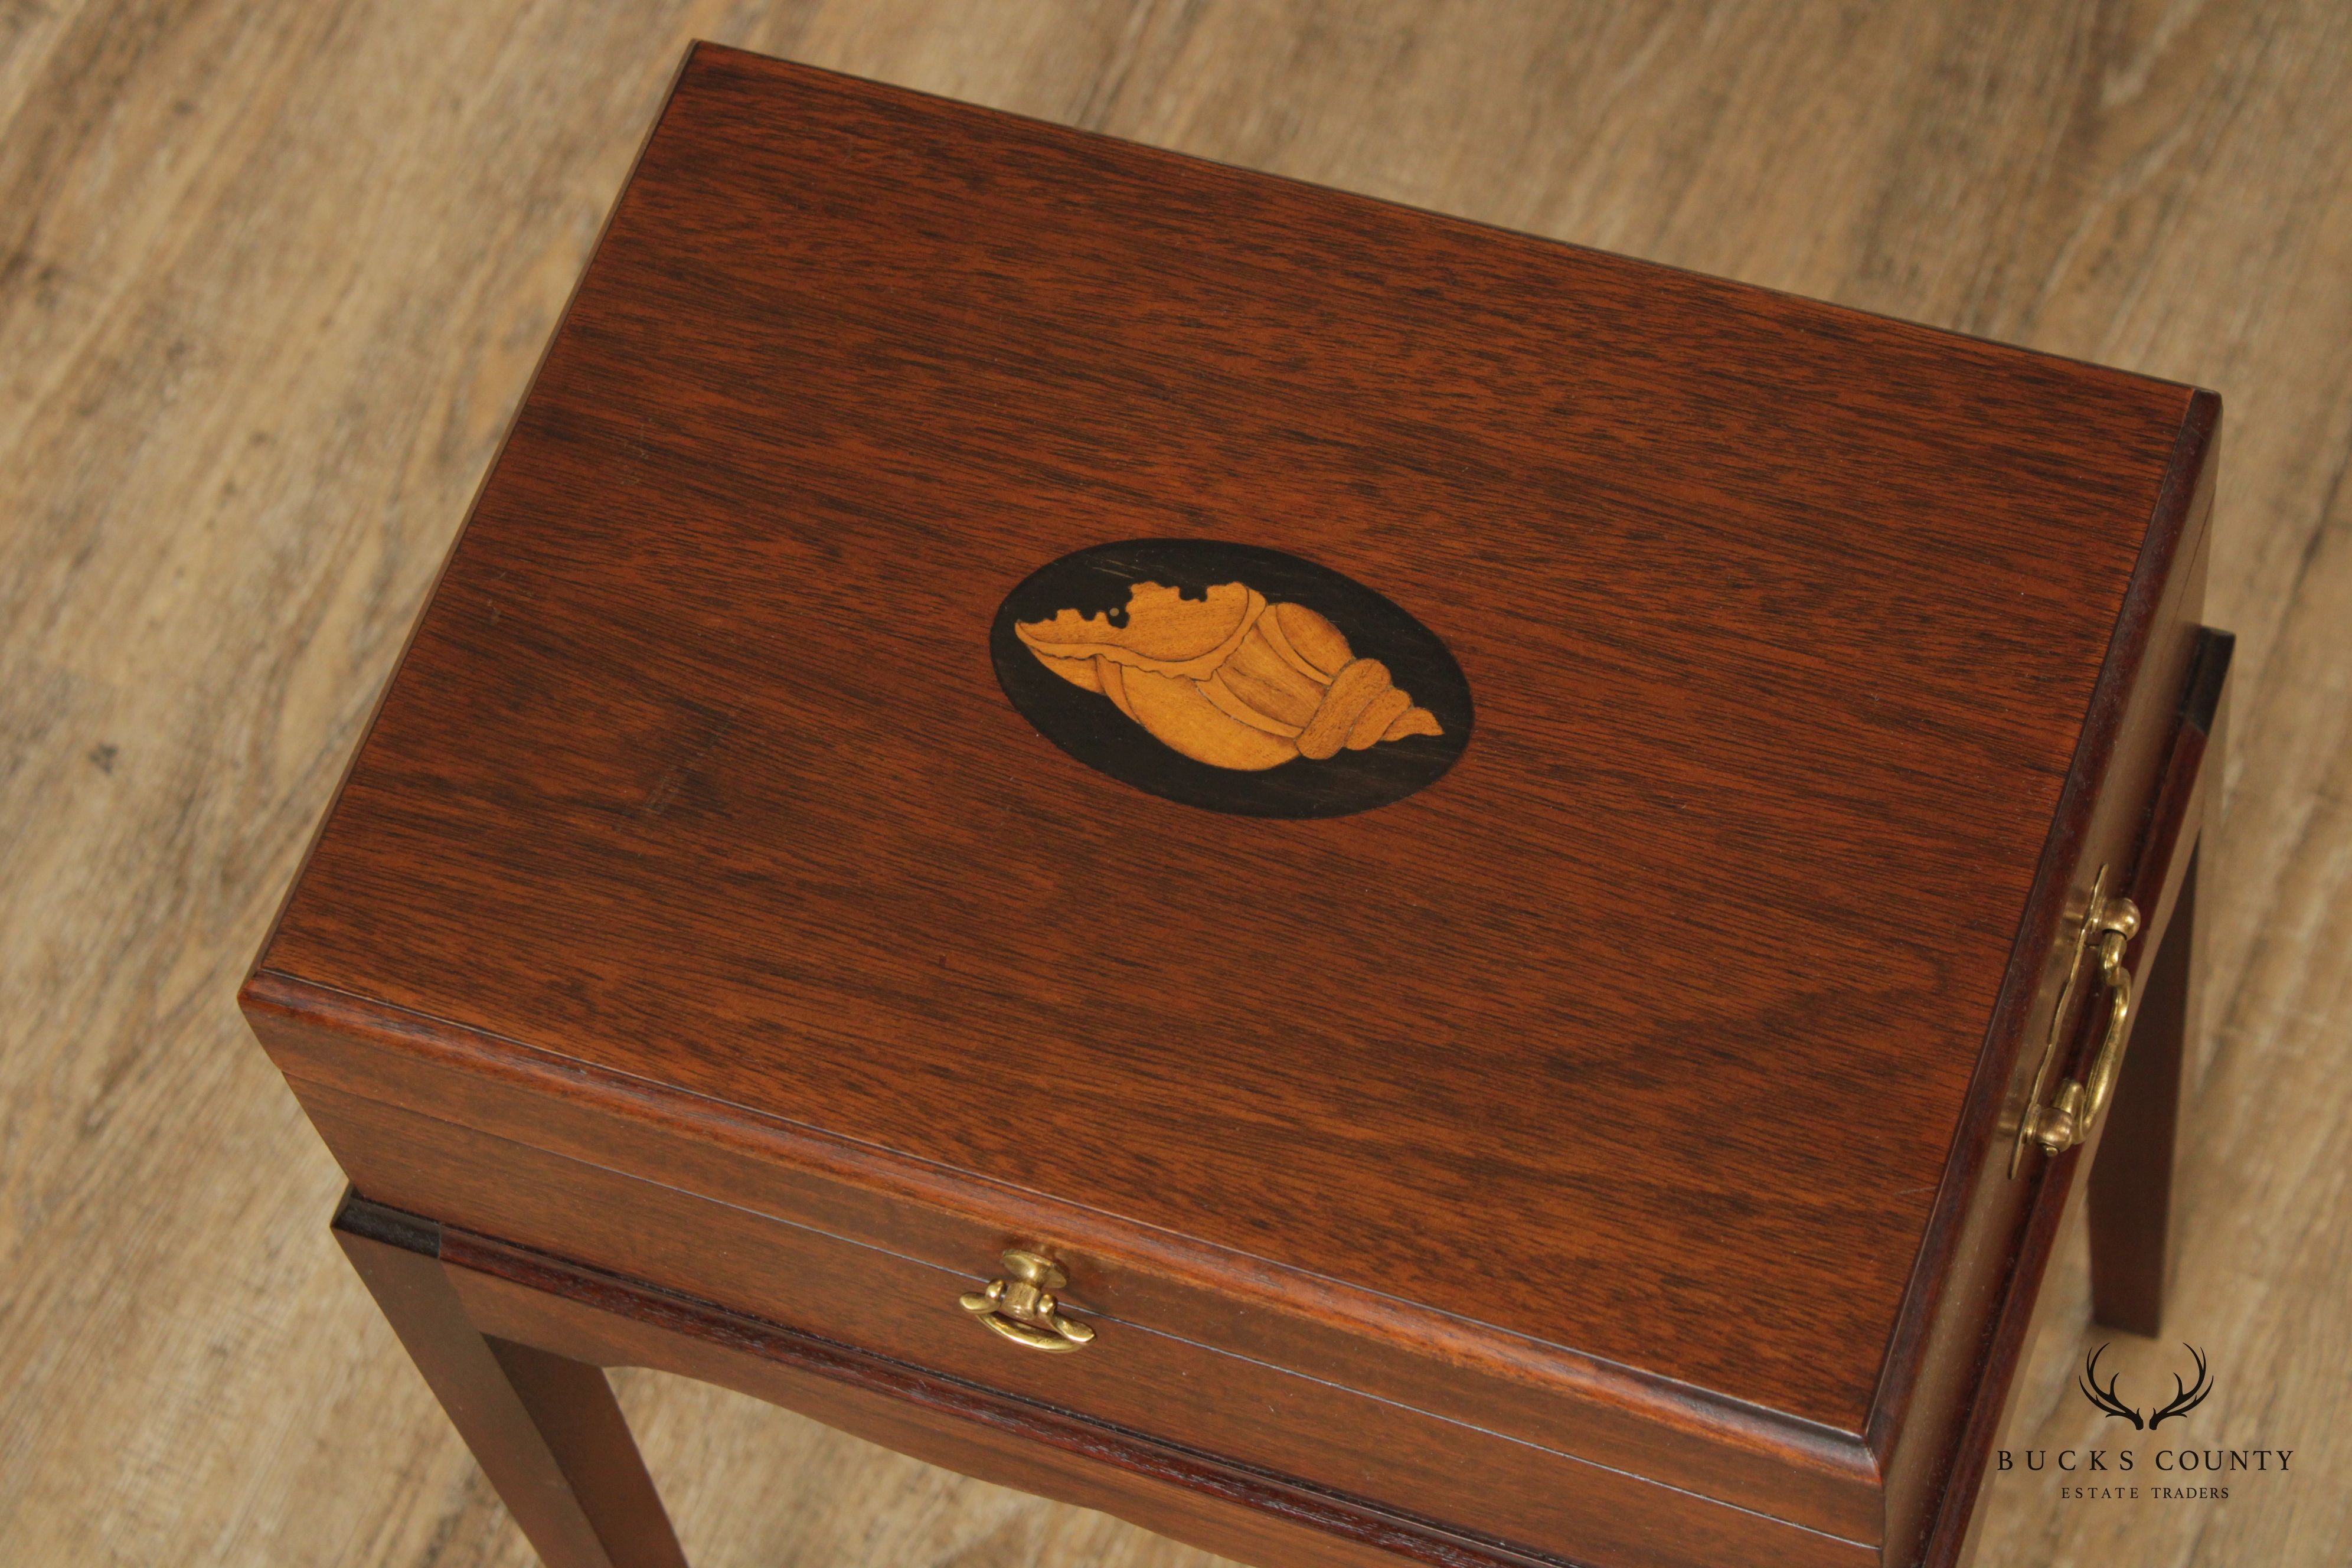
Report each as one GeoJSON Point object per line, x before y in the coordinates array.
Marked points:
{"type": "Point", "coordinates": [2066, 1118]}
{"type": "Point", "coordinates": [1021, 1307]}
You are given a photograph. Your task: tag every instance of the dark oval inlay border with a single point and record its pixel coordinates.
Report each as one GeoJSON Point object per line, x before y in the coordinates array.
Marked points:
{"type": "Point", "coordinates": [1090, 726]}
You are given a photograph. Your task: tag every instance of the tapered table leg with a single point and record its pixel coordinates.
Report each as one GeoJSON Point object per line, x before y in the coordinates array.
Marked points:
{"type": "Point", "coordinates": [545, 1429]}
{"type": "Point", "coordinates": [2131, 1195]}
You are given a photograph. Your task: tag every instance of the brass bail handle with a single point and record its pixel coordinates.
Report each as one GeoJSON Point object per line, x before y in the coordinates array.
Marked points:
{"type": "Point", "coordinates": [1022, 1308]}
{"type": "Point", "coordinates": [2075, 1109]}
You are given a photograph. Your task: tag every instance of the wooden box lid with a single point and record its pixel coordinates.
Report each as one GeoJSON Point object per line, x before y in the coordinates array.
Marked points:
{"type": "Point", "coordinates": [1653, 1017]}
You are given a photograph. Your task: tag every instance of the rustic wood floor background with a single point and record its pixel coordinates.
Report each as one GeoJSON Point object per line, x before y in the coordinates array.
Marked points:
{"type": "Point", "coordinates": [272, 276]}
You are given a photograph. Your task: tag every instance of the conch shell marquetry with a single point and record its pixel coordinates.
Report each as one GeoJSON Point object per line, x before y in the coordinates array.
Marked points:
{"type": "Point", "coordinates": [1230, 680]}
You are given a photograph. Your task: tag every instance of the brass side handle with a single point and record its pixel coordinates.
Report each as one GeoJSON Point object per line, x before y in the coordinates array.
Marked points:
{"type": "Point", "coordinates": [2108, 927]}
{"type": "Point", "coordinates": [1021, 1307]}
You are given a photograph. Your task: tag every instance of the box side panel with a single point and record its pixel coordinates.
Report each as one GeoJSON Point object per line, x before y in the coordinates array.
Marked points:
{"type": "Point", "coordinates": [1980, 1271]}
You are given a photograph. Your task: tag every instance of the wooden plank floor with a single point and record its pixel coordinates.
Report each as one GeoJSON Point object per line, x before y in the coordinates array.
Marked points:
{"type": "Point", "coordinates": [273, 274]}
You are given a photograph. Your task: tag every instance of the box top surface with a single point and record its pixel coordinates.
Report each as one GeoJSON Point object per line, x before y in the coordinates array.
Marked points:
{"type": "Point", "coordinates": [1641, 1026]}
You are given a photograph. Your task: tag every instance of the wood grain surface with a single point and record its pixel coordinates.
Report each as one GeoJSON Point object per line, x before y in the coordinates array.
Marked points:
{"type": "Point", "coordinates": [1782, 622]}
{"type": "Point", "coordinates": [272, 278]}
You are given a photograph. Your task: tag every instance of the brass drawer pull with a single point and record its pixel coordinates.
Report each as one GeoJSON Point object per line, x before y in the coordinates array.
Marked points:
{"type": "Point", "coordinates": [2075, 1109]}
{"type": "Point", "coordinates": [1022, 1308]}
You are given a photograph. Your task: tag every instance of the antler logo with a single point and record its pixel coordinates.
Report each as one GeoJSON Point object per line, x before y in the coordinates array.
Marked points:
{"type": "Point", "coordinates": [2186, 1396]}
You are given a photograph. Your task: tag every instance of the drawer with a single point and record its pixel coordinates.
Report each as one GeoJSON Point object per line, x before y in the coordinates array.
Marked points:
{"type": "Point", "coordinates": [1133, 1377]}
{"type": "Point", "coordinates": [600, 1319]}
{"type": "Point", "coordinates": [1396, 1352]}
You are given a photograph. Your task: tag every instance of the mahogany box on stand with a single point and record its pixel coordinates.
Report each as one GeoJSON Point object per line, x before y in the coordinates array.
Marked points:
{"type": "Point", "coordinates": [1362, 888]}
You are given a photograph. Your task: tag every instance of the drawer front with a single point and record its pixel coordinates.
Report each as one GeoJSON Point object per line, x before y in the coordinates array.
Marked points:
{"type": "Point", "coordinates": [1390, 1349]}
{"type": "Point", "coordinates": [603, 1320]}
{"type": "Point", "coordinates": [1149, 1382]}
